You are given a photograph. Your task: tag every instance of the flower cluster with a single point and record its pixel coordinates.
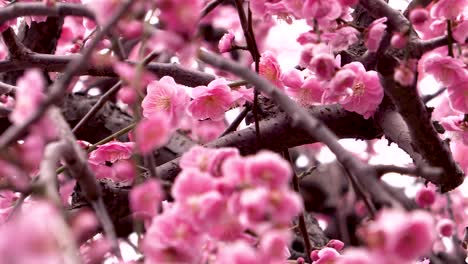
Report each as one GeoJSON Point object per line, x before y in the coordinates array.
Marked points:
{"type": "Point", "coordinates": [227, 209]}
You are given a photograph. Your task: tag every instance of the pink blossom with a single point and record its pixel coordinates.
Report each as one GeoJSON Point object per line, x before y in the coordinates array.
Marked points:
{"type": "Point", "coordinates": [172, 238]}
{"type": "Point", "coordinates": [112, 152]}
{"type": "Point", "coordinates": [426, 196]}
{"type": "Point", "coordinates": [309, 92]}
{"type": "Point", "coordinates": [261, 205]}
{"type": "Point", "coordinates": [342, 38]}
{"type": "Point", "coordinates": [225, 43]}
{"type": "Point", "coordinates": [445, 227]}
{"type": "Point", "coordinates": [3, 51]}
{"type": "Point", "coordinates": [375, 34]}
{"type": "Point", "coordinates": [446, 70]}
{"type": "Point", "coordinates": [207, 130]}
{"type": "Point", "coordinates": [212, 101]}
{"type": "Point", "coordinates": [127, 95]}
{"type": "Point", "coordinates": [336, 244]}
{"type": "Point", "coordinates": [83, 223]}
{"type": "Point", "coordinates": [104, 9]}
{"type": "Point", "coordinates": [197, 157]}
{"type": "Point", "coordinates": [165, 96]}
{"type": "Point", "coordinates": [270, 69]}
{"type": "Point", "coordinates": [359, 256]}
{"type": "Point", "coordinates": [103, 159]}
{"type": "Point", "coordinates": [326, 255]}
{"type": "Point", "coordinates": [180, 16]}
{"type": "Point", "coordinates": [130, 75]}
{"type": "Point", "coordinates": [367, 93]}
{"type": "Point", "coordinates": [28, 95]}
{"type": "Point", "coordinates": [322, 10]}
{"type": "Point", "coordinates": [458, 126]}
{"type": "Point", "coordinates": [274, 246]}
{"type": "Point", "coordinates": [338, 87]}
{"type": "Point", "coordinates": [190, 183]}
{"type": "Point", "coordinates": [237, 253]}
{"type": "Point", "coordinates": [403, 235]}
{"type": "Point", "coordinates": [324, 66]}
{"type": "Point", "coordinates": [292, 78]}
{"type": "Point", "coordinates": [458, 94]}
{"type": "Point", "coordinates": [448, 9]}
{"type": "Point", "coordinates": [152, 133]}
{"type": "Point", "coordinates": [28, 238]}
{"type": "Point", "coordinates": [460, 32]}
{"type": "Point", "coordinates": [95, 251]}
{"type": "Point", "coordinates": [124, 170]}
{"type": "Point", "coordinates": [242, 95]}
{"type": "Point", "coordinates": [145, 198]}
{"type": "Point", "coordinates": [459, 151]}
{"type": "Point", "coordinates": [268, 169]}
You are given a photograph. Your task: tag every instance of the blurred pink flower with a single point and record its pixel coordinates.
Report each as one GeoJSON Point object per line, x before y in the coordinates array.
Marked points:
{"type": "Point", "coordinates": [190, 183]}
{"type": "Point", "coordinates": [375, 33]}
{"type": "Point", "coordinates": [342, 38]}
{"type": "Point", "coordinates": [445, 69]}
{"type": "Point", "coordinates": [29, 95]}
{"type": "Point", "coordinates": [268, 169]}
{"type": "Point", "coordinates": [325, 255]}
{"type": "Point", "coordinates": [324, 10]}
{"type": "Point", "coordinates": [152, 133]}
{"type": "Point", "coordinates": [458, 94]}
{"type": "Point", "coordinates": [458, 126]}
{"type": "Point", "coordinates": [448, 9]}
{"type": "Point", "coordinates": [419, 16]}
{"type": "Point", "coordinates": [308, 93]}
{"type": "Point", "coordinates": [145, 198]}
{"type": "Point", "coordinates": [237, 253]}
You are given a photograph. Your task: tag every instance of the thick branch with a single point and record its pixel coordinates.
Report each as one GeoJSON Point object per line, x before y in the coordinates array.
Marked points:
{"type": "Point", "coordinates": [40, 9]}
{"type": "Point", "coordinates": [58, 63]}
{"type": "Point", "coordinates": [281, 133]}
{"type": "Point", "coordinates": [424, 137]}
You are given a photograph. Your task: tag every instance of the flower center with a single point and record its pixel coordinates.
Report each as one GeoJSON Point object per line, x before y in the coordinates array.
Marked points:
{"type": "Point", "coordinates": [358, 88]}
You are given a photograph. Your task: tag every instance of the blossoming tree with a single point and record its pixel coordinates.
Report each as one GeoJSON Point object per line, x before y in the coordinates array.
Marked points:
{"type": "Point", "coordinates": [115, 145]}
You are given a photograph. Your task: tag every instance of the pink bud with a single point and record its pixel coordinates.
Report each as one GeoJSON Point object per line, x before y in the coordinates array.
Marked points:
{"type": "Point", "coordinates": [398, 40]}
{"type": "Point", "coordinates": [225, 43]}
{"type": "Point", "coordinates": [445, 227]}
{"type": "Point", "coordinates": [300, 260]}
{"type": "Point", "coordinates": [336, 244]}
{"type": "Point", "coordinates": [419, 16]}
{"type": "Point", "coordinates": [425, 197]}
{"type": "Point", "coordinates": [127, 95]}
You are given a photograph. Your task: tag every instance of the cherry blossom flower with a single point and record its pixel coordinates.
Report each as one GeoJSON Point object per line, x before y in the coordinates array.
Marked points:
{"type": "Point", "coordinates": [308, 93]}
{"type": "Point", "coordinates": [367, 93]}
{"type": "Point", "coordinates": [322, 10]}
{"type": "Point", "coordinates": [152, 133]}
{"type": "Point", "coordinates": [458, 126]}
{"type": "Point", "coordinates": [460, 32]}
{"type": "Point", "coordinates": [375, 33]}
{"type": "Point", "coordinates": [35, 240]}
{"type": "Point", "coordinates": [270, 69]}
{"type": "Point", "coordinates": [274, 246]}
{"type": "Point", "coordinates": [341, 38]}
{"type": "Point", "coordinates": [212, 101]}
{"type": "Point", "coordinates": [190, 183]}
{"type": "Point", "coordinates": [403, 235]}
{"type": "Point", "coordinates": [324, 66]}
{"type": "Point", "coordinates": [167, 97]}
{"type": "Point", "coordinates": [325, 255]}
{"type": "Point", "coordinates": [104, 161]}
{"type": "Point", "coordinates": [129, 74]}
{"type": "Point", "coordinates": [207, 130]}
{"type": "Point", "coordinates": [145, 198]}
{"type": "Point", "coordinates": [446, 70]}
{"type": "Point", "coordinates": [172, 238]}
{"type": "Point", "coordinates": [180, 16]}
{"type": "Point", "coordinates": [448, 9]}
{"type": "Point", "coordinates": [458, 94]}
{"type": "Point", "coordinates": [398, 40]}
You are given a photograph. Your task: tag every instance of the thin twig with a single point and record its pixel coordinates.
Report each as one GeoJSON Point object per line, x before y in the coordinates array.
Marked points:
{"type": "Point", "coordinates": [210, 7]}
{"type": "Point", "coordinates": [99, 104]}
{"type": "Point", "coordinates": [302, 223]}
{"type": "Point", "coordinates": [233, 126]}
